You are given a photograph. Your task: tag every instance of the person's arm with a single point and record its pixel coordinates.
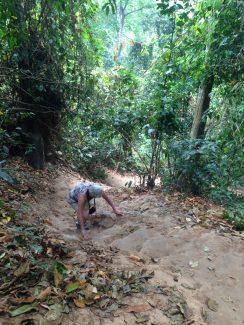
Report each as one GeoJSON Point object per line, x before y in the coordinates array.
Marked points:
{"type": "Point", "coordinates": [81, 212]}
{"type": "Point", "coordinates": [110, 202]}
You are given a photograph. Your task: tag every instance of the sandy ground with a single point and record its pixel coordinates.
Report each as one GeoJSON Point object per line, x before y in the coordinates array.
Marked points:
{"type": "Point", "coordinates": [204, 265]}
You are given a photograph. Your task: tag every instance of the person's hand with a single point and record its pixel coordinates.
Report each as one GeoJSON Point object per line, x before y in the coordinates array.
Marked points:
{"type": "Point", "coordinates": [118, 212]}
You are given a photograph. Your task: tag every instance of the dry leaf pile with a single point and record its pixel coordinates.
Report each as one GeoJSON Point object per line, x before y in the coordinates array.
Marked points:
{"type": "Point", "coordinates": [202, 212]}
{"type": "Point", "coordinates": [34, 277]}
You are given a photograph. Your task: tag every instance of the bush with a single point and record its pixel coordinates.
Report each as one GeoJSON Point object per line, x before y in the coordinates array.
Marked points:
{"type": "Point", "coordinates": [195, 167]}
{"type": "Point", "coordinates": [236, 215]}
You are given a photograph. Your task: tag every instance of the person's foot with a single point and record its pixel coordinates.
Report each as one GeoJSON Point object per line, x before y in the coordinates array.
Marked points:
{"type": "Point", "coordinates": [79, 227]}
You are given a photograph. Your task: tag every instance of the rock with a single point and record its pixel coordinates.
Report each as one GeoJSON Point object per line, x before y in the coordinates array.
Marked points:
{"type": "Point", "coordinates": [155, 259]}
{"type": "Point", "coordinates": [6, 177]}
{"type": "Point", "coordinates": [107, 223]}
{"type": "Point", "coordinates": [212, 304]}
{"type": "Point", "coordinates": [54, 314]}
{"type": "Point", "coordinates": [193, 264]}
{"type": "Point", "coordinates": [206, 249]}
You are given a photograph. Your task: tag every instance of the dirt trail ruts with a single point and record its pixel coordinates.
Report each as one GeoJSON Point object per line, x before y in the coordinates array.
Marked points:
{"type": "Point", "coordinates": [203, 264]}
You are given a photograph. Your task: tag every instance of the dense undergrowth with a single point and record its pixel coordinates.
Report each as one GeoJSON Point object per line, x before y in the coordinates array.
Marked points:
{"type": "Point", "coordinates": [152, 89]}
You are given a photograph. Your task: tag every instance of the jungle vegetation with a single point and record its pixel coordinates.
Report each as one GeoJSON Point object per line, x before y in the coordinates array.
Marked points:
{"type": "Point", "coordinates": [149, 87]}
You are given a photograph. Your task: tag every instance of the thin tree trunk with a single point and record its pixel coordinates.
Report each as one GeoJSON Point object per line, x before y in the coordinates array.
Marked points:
{"type": "Point", "coordinates": [121, 25]}
{"type": "Point", "coordinates": [199, 121]}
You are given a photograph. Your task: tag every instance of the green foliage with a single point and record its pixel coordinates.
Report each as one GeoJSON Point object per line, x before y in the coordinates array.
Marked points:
{"type": "Point", "coordinates": [103, 133]}
{"type": "Point", "coordinates": [120, 86]}
{"type": "Point", "coordinates": [236, 215]}
{"type": "Point", "coordinates": [45, 70]}
{"type": "Point", "coordinates": [110, 6]}
{"type": "Point", "coordinates": [195, 166]}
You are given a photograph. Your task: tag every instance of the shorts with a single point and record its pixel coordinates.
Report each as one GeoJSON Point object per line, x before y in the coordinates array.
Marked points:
{"type": "Point", "coordinates": [73, 203]}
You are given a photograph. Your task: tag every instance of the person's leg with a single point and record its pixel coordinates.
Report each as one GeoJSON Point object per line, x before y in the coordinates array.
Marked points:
{"type": "Point", "coordinates": [86, 214]}
{"type": "Point", "coordinates": [74, 205]}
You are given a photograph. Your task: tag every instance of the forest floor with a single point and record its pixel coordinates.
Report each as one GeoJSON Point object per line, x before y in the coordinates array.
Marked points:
{"type": "Point", "coordinates": [178, 260]}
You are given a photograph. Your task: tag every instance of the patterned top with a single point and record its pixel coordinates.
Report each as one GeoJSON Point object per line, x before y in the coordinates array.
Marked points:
{"type": "Point", "coordinates": [80, 188]}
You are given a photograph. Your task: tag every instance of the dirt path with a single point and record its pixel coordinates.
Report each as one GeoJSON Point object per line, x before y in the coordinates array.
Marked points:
{"type": "Point", "coordinates": [117, 180]}
{"type": "Point", "coordinates": [206, 266]}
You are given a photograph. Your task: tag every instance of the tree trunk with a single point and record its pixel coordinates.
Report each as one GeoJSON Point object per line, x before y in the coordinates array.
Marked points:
{"type": "Point", "coordinates": [121, 25]}
{"type": "Point", "coordinates": [198, 126]}
{"type": "Point", "coordinates": [199, 121]}
{"type": "Point", "coordinates": [35, 152]}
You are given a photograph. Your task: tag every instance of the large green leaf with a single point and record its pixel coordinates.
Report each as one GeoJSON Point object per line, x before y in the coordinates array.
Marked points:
{"type": "Point", "coordinates": [23, 309]}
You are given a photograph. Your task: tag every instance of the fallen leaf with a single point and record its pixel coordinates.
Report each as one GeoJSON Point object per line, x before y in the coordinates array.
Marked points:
{"type": "Point", "coordinates": [45, 306]}
{"type": "Point", "coordinates": [44, 293]}
{"type": "Point", "coordinates": [136, 258]}
{"type": "Point", "coordinates": [38, 249]}
{"type": "Point", "coordinates": [3, 236]}
{"type": "Point", "coordinates": [2, 255]}
{"type": "Point", "coordinates": [23, 309]}
{"type": "Point", "coordinates": [47, 222]}
{"type": "Point", "coordinates": [72, 286]}
{"type": "Point", "coordinates": [102, 274]}
{"type": "Point", "coordinates": [80, 303]}
{"type": "Point", "coordinates": [26, 300]}
{"type": "Point", "coordinates": [3, 308]}
{"type": "Point", "coordinates": [56, 241]}
{"type": "Point", "coordinates": [212, 304]}
{"type": "Point", "coordinates": [90, 292]}
{"type": "Point", "coordinates": [22, 269]}
{"type": "Point", "coordinates": [57, 277]}
{"type": "Point", "coordinates": [138, 308]}
{"type": "Point", "coordinates": [49, 251]}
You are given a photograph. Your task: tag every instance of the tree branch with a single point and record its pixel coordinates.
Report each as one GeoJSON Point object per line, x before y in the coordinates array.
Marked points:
{"type": "Point", "coordinates": [131, 12]}
{"type": "Point", "coordinates": [126, 4]}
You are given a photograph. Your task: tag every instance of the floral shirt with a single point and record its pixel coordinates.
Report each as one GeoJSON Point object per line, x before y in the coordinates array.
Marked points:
{"type": "Point", "coordinates": [80, 188]}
